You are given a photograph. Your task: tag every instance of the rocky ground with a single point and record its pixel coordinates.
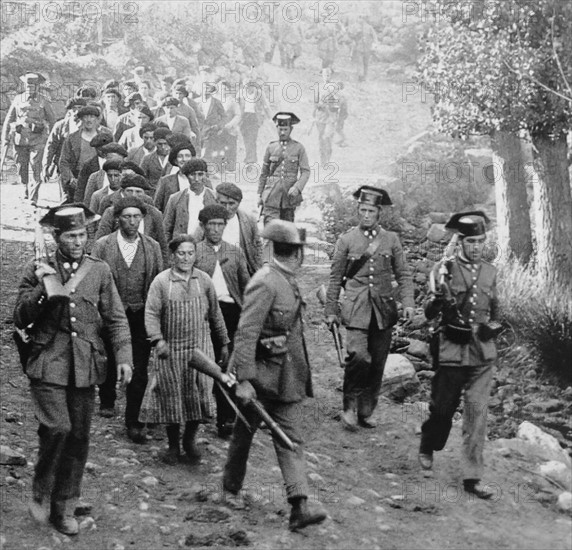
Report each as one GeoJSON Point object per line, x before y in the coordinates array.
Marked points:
{"type": "Point", "coordinates": [369, 482]}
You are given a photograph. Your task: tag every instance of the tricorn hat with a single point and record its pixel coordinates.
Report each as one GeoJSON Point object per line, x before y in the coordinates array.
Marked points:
{"type": "Point", "coordinates": [285, 119]}
{"type": "Point", "coordinates": [32, 78]}
{"type": "Point", "coordinates": [280, 231]}
{"type": "Point", "coordinates": [374, 196]}
{"type": "Point", "coordinates": [468, 224]}
{"type": "Point", "coordinates": [69, 217]}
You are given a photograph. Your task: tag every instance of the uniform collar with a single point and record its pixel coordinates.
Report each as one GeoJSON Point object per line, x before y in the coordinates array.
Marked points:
{"type": "Point", "coordinates": [371, 233]}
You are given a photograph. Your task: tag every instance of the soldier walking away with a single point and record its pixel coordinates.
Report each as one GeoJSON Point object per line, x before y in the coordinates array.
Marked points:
{"type": "Point", "coordinates": [28, 122]}
{"type": "Point", "coordinates": [271, 364]}
{"type": "Point", "coordinates": [285, 172]}
{"type": "Point", "coordinates": [69, 302]}
{"type": "Point", "coordinates": [463, 297]}
{"type": "Point", "coordinates": [366, 258]}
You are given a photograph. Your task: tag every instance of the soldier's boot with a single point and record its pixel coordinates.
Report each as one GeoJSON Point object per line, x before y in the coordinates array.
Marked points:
{"type": "Point", "coordinates": [301, 516]}
{"type": "Point", "coordinates": [189, 440]}
{"type": "Point", "coordinates": [349, 414]}
{"type": "Point", "coordinates": [63, 518]}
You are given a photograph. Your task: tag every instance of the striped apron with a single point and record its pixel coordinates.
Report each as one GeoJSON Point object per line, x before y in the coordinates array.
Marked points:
{"type": "Point", "coordinates": [177, 393]}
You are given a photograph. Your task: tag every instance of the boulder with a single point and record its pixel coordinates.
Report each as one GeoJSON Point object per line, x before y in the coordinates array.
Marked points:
{"type": "Point", "coordinates": [399, 378]}
{"type": "Point", "coordinates": [438, 234]}
{"type": "Point", "coordinates": [9, 457]}
{"type": "Point", "coordinates": [558, 471]}
{"type": "Point", "coordinates": [418, 348]}
{"type": "Point", "coordinates": [531, 433]}
{"type": "Point", "coordinates": [565, 502]}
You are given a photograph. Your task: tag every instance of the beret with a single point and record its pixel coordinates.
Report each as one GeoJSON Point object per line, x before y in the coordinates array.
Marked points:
{"type": "Point", "coordinates": [101, 139]}
{"type": "Point", "coordinates": [132, 98]}
{"type": "Point", "coordinates": [149, 127]}
{"type": "Point", "coordinates": [177, 148]}
{"type": "Point", "coordinates": [88, 110]}
{"type": "Point", "coordinates": [110, 90]}
{"type": "Point", "coordinates": [161, 133]}
{"type": "Point", "coordinates": [113, 147]}
{"type": "Point", "coordinates": [171, 101]}
{"type": "Point", "coordinates": [133, 166]}
{"type": "Point", "coordinates": [230, 190]}
{"type": "Point", "coordinates": [213, 212]}
{"type": "Point", "coordinates": [134, 180]}
{"type": "Point", "coordinates": [281, 231]}
{"type": "Point", "coordinates": [112, 165]}
{"type": "Point", "coordinates": [75, 102]}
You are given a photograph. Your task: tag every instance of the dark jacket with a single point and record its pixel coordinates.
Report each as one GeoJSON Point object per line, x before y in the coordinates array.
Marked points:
{"type": "Point", "coordinates": [151, 165]}
{"type": "Point", "coordinates": [166, 186]}
{"type": "Point", "coordinates": [176, 217]}
{"type": "Point", "coordinates": [107, 249]}
{"type": "Point", "coordinates": [232, 263]}
{"type": "Point", "coordinates": [272, 307]}
{"type": "Point", "coordinates": [66, 336]}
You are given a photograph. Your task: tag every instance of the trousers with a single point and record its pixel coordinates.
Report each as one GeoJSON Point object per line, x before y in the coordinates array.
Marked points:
{"type": "Point", "coordinates": [249, 131]}
{"type": "Point", "coordinates": [64, 414]}
{"type": "Point", "coordinates": [447, 387]}
{"type": "Point", "coordinates": [367, 352]}
{"type": "Point", "coordinates": [292, 464]}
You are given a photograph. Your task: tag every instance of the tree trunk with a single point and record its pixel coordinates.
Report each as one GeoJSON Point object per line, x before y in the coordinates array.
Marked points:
{"type": "Point", "coordinates": [553, 208]}
{"type": "Point", "coordinates": [513, 213]}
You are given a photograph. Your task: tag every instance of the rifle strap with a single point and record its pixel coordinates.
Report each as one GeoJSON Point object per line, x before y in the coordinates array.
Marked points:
{"type": "Point", "coordinates": [355, 266]}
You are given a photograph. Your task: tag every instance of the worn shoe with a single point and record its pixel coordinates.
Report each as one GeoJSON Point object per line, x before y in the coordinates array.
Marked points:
{"type": "Point", "coordinates": [474, 487]}
{"type": "Point", "coordinates": [349, 420]}
{"type": "Point", "coordinates": [426, 460]}
{"type": "Point", "coordinates": [136, 435]}
{"type": "Point", "coordinates": [367, 422]}
{"type": "Point", "coordinates": [301, 516]}
{"type": "Point", "coordinates": [107, 412]}
{"type": "Point", "coordinates": [39, 511]}
{"type": "Point", "coordinates": [62, 517]}
{"type": "Point", "coordinates": [225, 431]}
{"type": "Point", "coordinates": [171, 457]}
{"type": "Point", "coordinates": [189, 441]}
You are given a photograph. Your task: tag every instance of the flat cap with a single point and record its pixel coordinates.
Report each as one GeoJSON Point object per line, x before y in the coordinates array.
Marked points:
{"type": "Point", "coordinates": [230, 190]}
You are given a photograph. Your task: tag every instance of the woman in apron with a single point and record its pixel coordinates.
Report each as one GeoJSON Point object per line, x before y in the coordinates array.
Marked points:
{"type": "Point", "coordinates": [181, 310]}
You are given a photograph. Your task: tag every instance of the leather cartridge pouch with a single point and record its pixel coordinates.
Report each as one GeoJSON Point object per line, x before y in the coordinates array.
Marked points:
{"type": "Point", "coordinates": [273, 346]}
{"type": "Point", "coordinates": [490, 330]}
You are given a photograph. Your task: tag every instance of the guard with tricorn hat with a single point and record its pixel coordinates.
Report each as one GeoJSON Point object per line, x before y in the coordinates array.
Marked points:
{"type": "Point", "coordinates": [463, 300]}
{"type": "Point", "coordinates": [366, 260]}
{"type": "Point", "coordinates": [271, 364]}
{"type": "Point", "coordinates": [67, 359]}
{"type": "Point", "coordinates": [285, 172]}
{"type": "Point", "coordinates": [28, 122]}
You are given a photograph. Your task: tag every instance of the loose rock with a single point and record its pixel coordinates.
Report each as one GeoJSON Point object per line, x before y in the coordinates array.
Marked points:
{"type": "Point", "coordinates": [10, 457]}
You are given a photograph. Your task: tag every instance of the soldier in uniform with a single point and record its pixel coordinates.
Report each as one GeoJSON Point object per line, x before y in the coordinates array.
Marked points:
{"type": "Point", "coordinates": [67, 358]}
{"type": "Point", "coordinates": [285, 172]}
{"type": "Point", "coordinates": [29, 120]}
{"type": "Point", "coordinates": [365, 259]}
{"type": "Point", "coordinates": [271, 364]}
{"type": "Point", "coordinates": [462, 295]}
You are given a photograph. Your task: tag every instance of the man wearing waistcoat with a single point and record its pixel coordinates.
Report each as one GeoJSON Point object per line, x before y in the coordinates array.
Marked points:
{"type": "Point", "coordinates": [463, 288]}
{"type": "Point", "coordinates": [67, 358]}
{"type": "Point", "coordinates": [366, 259]}
{"type": "Point", "coordinates": [135, 260]}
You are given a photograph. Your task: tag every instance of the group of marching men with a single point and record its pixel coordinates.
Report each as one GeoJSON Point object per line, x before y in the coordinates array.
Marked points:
{"type": "Point", "coordinates": [177, 266]}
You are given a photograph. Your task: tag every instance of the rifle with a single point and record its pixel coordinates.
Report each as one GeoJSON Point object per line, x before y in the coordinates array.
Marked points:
{"type": "Point", "coordinates": [335, 330]}
{"type": "Point", "coordinates": [199, 361]}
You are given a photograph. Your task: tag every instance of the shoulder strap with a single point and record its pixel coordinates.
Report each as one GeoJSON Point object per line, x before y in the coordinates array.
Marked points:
{"type": "Point", "coordinates": [356, 265]}
{"type": "Point", "coordinates": [74, 281]}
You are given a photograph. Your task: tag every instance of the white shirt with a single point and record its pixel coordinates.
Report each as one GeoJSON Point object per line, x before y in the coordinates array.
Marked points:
{"type": "Point", "coordinates": [127, 249]}
{"type": "Point", "coordinates": [219, 283]}
{"type": "Point", "coordinates": [163, 160]}
{"type": "Point", "coordinates": [101, 162]}
{"type": "Point", "coordinates": [232, 231]}
{"type": "Point", "coordinates": [196, 204]}
{"type": "Point", "coordinates": [170, 122]}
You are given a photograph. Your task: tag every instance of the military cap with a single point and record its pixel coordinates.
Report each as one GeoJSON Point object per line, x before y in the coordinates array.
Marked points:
{"type": "Point", "coordinates": [213, 212]}
{"type": "Point", "coordinates": [75, 102]}
{"type": "Point", "coordinates": [194, 165]}
{"type": "Point", "coordinates": [132, 98]}
{"type": "Point", "coordinates": [88, 110]}
{"type": "Point", "coordinates": [161, 132]}
{"type": "Point", "coordinates": [69, 217]}
{"type": "Point", "coordinates": [112, 91]}
{"type": "Point", "coordinates": [373, 196]}
{"type": "Point", "coordinates": [112, 165]}
{"type": "Point", "coordinates": [149, 127]}
{"type": "Point", "coordinates": [171, 101]}
{"type": "Point", "coordinates": [129, 202]}
{"type": "Point", "coordinates": [468, 224]}
{"type": "Point", "coordinates": [280, 231]}
{"type": "Point", "coordinates": [32, 78]}
{"type": "Point", "coordinates": [133, 166]}
{"type": "Point", "coordinates": [285, 119]}
{"type": "Point", "coordinates": [101, 139]}
{"type": "Point", "coordinates": [112, 147]}
{"type": "Point", "coordinates": [178, 147]}
{"type": "Point", "coordinates": [134, 180]}
{"type": "Point", "coordinates": [182, 90]}
{"type": "Point", "coordinates": [230, 190]}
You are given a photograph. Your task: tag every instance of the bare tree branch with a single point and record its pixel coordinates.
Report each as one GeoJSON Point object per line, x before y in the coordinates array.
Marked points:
{"type": "Point", "coordinates": [556, 56]}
